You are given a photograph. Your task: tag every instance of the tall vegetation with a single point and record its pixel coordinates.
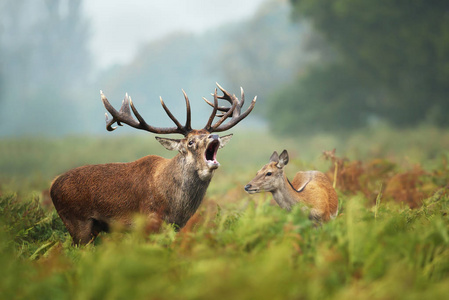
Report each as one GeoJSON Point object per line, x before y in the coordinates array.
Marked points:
{"type": "Point", "coordinates": [237, 246]}
{"type": "Point", "coordinates": [383, 60]}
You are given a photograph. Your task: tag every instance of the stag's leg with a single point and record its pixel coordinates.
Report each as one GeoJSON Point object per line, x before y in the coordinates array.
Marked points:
{"type": "Point", "coordinates": [71, 228]}
{"type": "Point", "coordinates": [98, 226]}
{"type": "Point", "coordinates": [81, 231]}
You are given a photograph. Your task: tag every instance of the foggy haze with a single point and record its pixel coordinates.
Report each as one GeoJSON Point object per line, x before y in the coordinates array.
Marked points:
{"type": "Point", "coordinates": [57, 55]}
{"type": "Point", "coordinates": [119, 28]}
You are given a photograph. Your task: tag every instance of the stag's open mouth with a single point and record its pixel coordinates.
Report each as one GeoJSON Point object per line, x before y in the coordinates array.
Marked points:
{"type": "Point", "coordinates": [211, 154]}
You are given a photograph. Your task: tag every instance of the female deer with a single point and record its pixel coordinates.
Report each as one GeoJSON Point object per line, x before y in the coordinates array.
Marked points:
{"type": "Point", "coordinates": [311, 188]}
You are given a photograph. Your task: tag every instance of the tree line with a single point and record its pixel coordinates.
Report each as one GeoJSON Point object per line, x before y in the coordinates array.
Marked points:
{"type": "Point", "coordinates": [380, 61]}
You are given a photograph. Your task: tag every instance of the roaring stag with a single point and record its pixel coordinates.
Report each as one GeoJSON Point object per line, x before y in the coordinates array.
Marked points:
{"type": "Point", "coordinates": [311, 188]}
{"type": "Point", "coordinates": [91, 198]}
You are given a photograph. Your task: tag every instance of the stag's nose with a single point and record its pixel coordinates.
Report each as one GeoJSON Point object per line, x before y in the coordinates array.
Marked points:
{"type": "Point", "coordinates": [247, 187]}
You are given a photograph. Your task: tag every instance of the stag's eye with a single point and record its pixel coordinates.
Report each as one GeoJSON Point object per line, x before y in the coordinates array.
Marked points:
{"type": "Point", "coordinates": [268, 174]}
{"type": "Point", "coordinates": [191, 142]}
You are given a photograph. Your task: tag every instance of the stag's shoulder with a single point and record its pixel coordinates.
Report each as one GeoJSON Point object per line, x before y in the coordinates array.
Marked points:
{"type": "Point", "coordinates": [150, 163]}
{"type": "Point", "coordinates": [151, 160]}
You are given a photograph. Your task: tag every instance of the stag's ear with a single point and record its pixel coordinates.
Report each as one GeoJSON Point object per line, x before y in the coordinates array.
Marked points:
{"type": "Point", "coordinates": [274, 157]}
{"type": "Point", "coordinates": [224, 140]}
{"type": "Point", "coordinates": [283, 159]}
{"type": "Point", "coordinates": [170, 144]}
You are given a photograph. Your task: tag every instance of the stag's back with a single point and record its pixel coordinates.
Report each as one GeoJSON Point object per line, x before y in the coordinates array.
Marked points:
{"type": "Point", "coordinates": [105, 191]}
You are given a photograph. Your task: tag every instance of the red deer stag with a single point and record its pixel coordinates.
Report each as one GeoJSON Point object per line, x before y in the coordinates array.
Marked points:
{"type": "Point", "coordinates": [89, 198]}
{"type": "Point", "coordinates": [311, 188]}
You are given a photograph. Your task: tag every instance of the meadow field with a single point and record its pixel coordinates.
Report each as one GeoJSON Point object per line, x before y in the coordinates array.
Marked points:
{"type": "Point", "coordinates": [390, 240]}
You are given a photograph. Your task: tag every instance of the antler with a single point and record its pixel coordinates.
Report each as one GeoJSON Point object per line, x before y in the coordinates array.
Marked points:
{"type": "Point", "coordinates": [235, 110]}
{"type": "Point", "coordinates": [124, 116]}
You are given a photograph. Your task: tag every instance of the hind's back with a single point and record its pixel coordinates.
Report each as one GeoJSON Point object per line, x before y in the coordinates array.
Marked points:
{"type": "Point", "coordinates": [318, 193]}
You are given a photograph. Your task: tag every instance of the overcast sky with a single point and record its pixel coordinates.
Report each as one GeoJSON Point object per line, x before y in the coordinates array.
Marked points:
{"type": "Point", "coordinates": [120, 27]}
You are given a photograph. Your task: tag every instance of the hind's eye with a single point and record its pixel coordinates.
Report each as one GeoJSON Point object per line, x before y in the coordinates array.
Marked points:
{"type": "Point", "coordinates": [268, 174]}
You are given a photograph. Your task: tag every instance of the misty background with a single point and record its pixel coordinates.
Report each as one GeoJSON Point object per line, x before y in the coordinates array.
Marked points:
{"type": "Point", "coordinates": [315, 65]}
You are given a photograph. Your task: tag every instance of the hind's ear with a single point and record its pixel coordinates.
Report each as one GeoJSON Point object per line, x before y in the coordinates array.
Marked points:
{"type": "Point", "coordinates": [283, 159]}
{"type": "Point", "coordinates": [274, 157]}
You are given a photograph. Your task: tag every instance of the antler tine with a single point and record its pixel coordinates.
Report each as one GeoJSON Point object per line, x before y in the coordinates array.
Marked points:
{"type": "Point", "coordinates": [172, 117]}
{"type": "Point", "coordinates": [236, 118]}
{"type": "Point", "coordinates": [188, 126]}
{"type": "Point", "coordinates": [235, 110]}
{"type": "Point", "coordinates": [223, 117]}
{"type": "Point", "coordinates": [121, 116]}
{"type": "Point", "coordinates": [214, 111]}
{"type": "Point", "coordinates": [242, 96]}
{"type": "Point", "coordinates": [220, 108]}
{"type": "Point", "coordinates": [124, 116]}
{"type": "Point", "coordinates": [226, 95]}
{"type": "Point", "coordinates": [228, 98]}
{"type": "Point", "coordinates": [136, 113]}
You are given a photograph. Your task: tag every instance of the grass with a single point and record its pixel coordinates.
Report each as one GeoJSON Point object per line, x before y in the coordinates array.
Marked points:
{"type": "Point", "coordinates": [238, 246]}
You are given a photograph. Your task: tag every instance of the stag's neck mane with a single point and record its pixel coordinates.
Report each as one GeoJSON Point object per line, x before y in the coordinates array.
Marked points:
{"type": "Point", "coordinates": [186, 191]}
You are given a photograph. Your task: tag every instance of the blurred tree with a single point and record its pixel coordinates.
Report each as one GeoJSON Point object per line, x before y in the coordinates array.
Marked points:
{"type": "Point", "coordinates": [263, 54]}
{"type": "Point", "coordinates": [44, 62]}
{"type": "Point", "coordinates": [325, 96]}
{"type": "Point", "coordinates": [395, 52]}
